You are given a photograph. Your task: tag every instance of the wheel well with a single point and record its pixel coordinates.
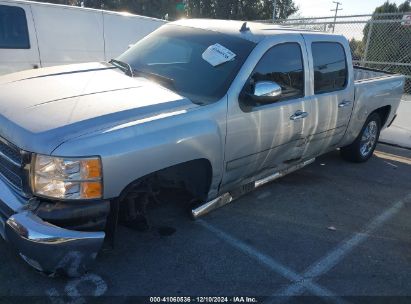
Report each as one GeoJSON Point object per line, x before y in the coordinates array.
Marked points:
{"type": "Point", "coordinates": [384, 112]}
{"type": "Point", "coordinates": [194, 176]}
{"type": "Point", "coordinates": [186, 183]}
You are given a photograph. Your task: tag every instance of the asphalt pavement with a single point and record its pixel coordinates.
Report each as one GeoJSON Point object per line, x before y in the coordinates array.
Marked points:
{"type": "Point", "coordinates": [332, 232]}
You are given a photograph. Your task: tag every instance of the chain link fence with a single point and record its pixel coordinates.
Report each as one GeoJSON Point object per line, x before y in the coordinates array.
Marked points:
{"type": "Point", "coordinates": [381, 41]}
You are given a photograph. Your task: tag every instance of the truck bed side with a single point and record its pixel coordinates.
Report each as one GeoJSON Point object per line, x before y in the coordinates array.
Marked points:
{"type": "Point", "coordinates": [373, 90]}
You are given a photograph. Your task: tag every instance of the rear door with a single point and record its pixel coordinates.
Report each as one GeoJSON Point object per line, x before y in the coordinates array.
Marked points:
{"type": "Point", "coordinates": [18, 44]}
{"type": "Point", "coordinates": [332, 91]}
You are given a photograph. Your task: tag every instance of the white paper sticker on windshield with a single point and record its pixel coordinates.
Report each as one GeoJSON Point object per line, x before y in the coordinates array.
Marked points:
{"type": "Point", "coordinates": [217, 54]}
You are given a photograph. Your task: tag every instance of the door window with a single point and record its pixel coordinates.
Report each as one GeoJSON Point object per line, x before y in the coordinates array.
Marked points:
{"type": "Point", "coordinates": [13, 28]}
{"type": "Point", "coordinates": [282, 64]}
{"type": "Point", "coordinates": [330, 67]}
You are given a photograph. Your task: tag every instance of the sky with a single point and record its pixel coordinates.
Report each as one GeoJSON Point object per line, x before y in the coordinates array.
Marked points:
{"type": "Point", "coordinates": [309, 8]}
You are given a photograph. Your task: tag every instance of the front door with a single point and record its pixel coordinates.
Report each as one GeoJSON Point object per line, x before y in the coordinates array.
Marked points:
{"type": "Point", "coordinates": [263, 136]}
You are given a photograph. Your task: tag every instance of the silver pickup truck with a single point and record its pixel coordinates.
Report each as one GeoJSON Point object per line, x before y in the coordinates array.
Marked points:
{"type": "Point", "coordinates": [211, 109]}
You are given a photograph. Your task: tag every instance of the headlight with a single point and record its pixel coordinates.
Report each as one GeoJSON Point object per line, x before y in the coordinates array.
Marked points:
{"type": "Point", "coordinates": [67, 178]}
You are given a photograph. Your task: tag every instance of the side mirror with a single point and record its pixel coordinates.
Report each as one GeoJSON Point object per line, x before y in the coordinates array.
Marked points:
{"type": "Point", "coordinates": [266, 92]}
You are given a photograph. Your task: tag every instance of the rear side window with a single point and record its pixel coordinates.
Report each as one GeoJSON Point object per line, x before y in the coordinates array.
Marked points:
{"type": "Point", "coordinates": [330, 67]}
{"type": "Point", "coordinates": [13, 28]}
{"type": "Point", "coordinates": [284, 65]}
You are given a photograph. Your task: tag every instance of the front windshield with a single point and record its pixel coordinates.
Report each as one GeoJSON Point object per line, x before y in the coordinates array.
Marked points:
{"type": "Point", "coordinates": [174, 53]}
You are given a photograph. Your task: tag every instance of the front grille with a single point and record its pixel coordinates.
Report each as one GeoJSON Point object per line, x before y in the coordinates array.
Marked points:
{"type": "Point", "coordinates": [11, 164]}
{"type": "Point", "coordinates": [10, 152]}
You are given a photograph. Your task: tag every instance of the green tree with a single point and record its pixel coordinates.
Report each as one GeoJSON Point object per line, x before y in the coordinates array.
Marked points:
{"type": "Point", "coordinates": [239, 9]}
{"type": "Point", "coordinates": [389, 41]}
{"type": "Point", "coordinates": [221, 9]}
{"type": "Point", "coordinates": [357, 49]}
{"type": "Point", "coordinates": [284, 9]}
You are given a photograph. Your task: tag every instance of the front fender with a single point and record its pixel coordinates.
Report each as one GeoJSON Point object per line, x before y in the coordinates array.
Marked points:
{"type": "Point", "coordinates": [134, 150]}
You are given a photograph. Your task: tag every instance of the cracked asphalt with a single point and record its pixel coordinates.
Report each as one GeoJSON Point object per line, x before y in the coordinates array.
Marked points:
{"type": "Point", "coordinates": [333, 231]}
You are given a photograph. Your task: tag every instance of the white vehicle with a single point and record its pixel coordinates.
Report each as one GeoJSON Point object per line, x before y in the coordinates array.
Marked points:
{"type": "Point", "coordinates": [34, 35]}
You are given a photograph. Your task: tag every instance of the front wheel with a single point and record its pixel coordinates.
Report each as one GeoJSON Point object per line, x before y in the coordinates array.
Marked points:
{"type": "Point", "coordinates": [363, 147]}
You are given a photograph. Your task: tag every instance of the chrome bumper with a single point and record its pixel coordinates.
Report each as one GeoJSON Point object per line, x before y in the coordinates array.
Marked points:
{"type": "Point", "coordinates": [46, 247]}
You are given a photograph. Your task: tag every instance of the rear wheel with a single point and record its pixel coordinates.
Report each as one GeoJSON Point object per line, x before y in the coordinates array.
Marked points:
{"type": "Point", "coordinates": [363, 147]}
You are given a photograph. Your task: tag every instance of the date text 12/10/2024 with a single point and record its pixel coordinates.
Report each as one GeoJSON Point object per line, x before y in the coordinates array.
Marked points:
{"type": "Point", "coordinates": [203, 300]}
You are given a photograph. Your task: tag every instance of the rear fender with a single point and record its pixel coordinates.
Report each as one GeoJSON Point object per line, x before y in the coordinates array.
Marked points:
{"type": "Point", "coordinates": [370, 96]}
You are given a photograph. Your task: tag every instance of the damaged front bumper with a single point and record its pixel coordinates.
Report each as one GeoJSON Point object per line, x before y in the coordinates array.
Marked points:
{"type": "Point", "coordinates": [51, 249]}
{"type": "Point", "coordinates": [46, 247]}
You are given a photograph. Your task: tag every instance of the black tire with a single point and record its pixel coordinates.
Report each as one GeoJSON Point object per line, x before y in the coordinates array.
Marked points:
{"type": "Point", "coordinates": [360, 150]}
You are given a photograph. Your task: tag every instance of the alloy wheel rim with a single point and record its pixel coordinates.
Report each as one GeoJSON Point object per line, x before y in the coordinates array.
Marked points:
{"type": "Point", "coordinates": [369, 138]}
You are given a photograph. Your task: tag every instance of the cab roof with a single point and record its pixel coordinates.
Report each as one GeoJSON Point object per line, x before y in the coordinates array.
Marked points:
{"type": "Point", "coordinates": [255, 32]}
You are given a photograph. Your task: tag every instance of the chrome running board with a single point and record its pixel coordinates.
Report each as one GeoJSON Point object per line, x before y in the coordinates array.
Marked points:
{"type": "Point", "coordinates": [220, 201]}
{"type": "Point", "coordinates": [279, 174]}
{"type": "Point", "coordinates": [227, 198]}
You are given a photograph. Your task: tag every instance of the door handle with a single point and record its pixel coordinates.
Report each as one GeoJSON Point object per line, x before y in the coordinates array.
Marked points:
{"type": "Point", "coordinates": [299, 115]}
{"type": "Point", "coordinates": [345, 103]}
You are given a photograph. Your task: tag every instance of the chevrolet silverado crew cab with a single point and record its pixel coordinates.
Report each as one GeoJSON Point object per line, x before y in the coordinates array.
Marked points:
{"type": "Point", "coordinates": [211, 109]}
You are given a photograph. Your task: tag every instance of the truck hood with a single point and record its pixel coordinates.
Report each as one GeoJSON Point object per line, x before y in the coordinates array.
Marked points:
{"type": "Point", "coordinates": [41, 109]}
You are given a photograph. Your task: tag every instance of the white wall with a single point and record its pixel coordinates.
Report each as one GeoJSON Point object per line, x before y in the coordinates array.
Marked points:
{"type": "Point", "coordinates": [68, 35]}
{"type": "Point", "coordinates": [122, 30]}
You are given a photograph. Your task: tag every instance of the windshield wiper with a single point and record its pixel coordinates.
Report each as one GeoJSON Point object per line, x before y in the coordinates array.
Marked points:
{"type": "Point", "coordinates": [153, 76]}
{"type": "Point", "coordinates": [149, 75]}
{"type": "Point", "coordinates": [123, 66]}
